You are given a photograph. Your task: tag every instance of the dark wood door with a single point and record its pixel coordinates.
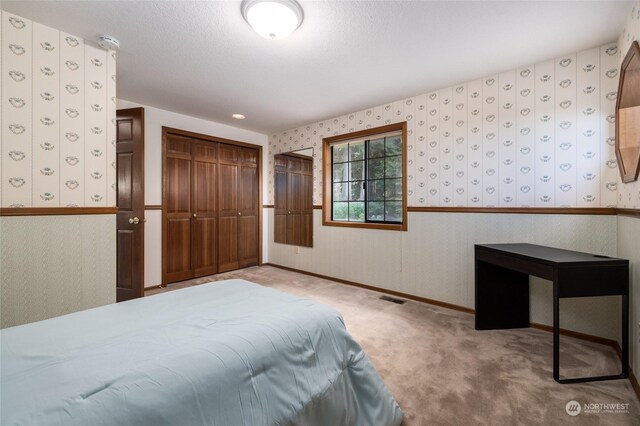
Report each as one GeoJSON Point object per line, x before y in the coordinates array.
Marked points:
{"type": "Point", "coordinates": [176, 204]}
{"type": "Point", "coordinates": [228, 211]}
{"type": "Point", "coordinates": [204, 229]}
{"type": "Point", "coordinates": [130, 199]}
{"type": "Point", "coordinates": [248, 209]}
{"type": "Point", "coordinates": [211, 205]}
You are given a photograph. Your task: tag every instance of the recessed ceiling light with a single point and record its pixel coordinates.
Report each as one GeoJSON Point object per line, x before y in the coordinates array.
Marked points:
{"type": "Point", "coordinates": [238, 116]}
{"type": "Point", "coordinates": [272, 19]}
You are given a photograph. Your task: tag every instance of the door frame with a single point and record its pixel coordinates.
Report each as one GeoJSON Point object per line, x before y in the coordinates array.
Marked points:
{"type": "Point", "coordinates": [204, 138]}
{"type": "Point", "coordinates": [138, 117]}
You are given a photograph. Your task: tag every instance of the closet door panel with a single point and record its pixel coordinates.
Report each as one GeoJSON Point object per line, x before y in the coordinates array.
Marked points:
{"type": "Point", "coordinates": [178, 210]}
{"type": "Point", "coordinates": [227, 208]}
{"type": "Point", "coordinates": [204, 258]}
{"type": "Point", "coordinates": [178, 249]}
{"type": "Point", "coordinates": [204, 243]}
{"type": "Point", "coordinates": [228, 190]}
{"type": "Point", "coordinates": [227, 244]}
{"type": "Point", "coordinates": [248, 214]}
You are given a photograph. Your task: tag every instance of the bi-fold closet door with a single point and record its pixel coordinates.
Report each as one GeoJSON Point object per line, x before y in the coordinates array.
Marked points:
{"type": "Point", "coordinates": [210, 220]}
{"type": "Point", "coordinates": [238, 209]}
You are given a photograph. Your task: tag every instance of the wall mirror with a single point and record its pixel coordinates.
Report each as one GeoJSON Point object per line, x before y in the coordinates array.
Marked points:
{"type": "Point", "coordinates": [628, 116]}
{"type": "Point", "coordinates": [293, 203]}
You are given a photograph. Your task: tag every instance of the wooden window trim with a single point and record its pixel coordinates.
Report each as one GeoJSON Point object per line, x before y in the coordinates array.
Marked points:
{"type": "Point", "coordinates": [327, 183]}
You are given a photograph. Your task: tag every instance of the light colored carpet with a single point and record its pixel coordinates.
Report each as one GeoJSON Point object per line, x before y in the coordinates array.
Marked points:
{"type": "Point", "coordinates": [444, 372]}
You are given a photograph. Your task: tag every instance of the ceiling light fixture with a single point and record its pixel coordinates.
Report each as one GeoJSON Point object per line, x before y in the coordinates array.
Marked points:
{"type": "Point", "coordinates": [238, 116]}
{"type": "Point", "coordinates": [273, 19]}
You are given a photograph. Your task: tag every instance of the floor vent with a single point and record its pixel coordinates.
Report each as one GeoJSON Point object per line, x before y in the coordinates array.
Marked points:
{"type": "Point", "coordinates": [392, 300]}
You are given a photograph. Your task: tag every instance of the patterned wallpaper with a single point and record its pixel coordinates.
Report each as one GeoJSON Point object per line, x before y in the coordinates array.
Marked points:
{"type": "Point", "coordinates": [629, 193]}
{"type": "Point", "coordinates": [538, 136]}
{"type": "Point", "coordinates": [57, 118]}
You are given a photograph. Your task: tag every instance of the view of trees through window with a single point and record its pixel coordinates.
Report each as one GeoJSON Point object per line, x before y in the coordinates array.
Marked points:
{"type": "Point", "coordinates": [367, 180]}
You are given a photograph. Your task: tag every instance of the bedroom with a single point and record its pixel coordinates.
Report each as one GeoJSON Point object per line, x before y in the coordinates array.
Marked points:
{"type": "Point", "coordinates": [509, 136]}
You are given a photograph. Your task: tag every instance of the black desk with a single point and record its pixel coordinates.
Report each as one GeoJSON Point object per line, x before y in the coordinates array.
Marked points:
{"type": "Point", "coordinates": [502, 289]}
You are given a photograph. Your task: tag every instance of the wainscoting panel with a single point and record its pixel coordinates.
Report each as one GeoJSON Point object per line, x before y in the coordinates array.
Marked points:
{"type": "Point", "coordinates": [435, 258]}
{"type": "Point", "coordinates": [55, 265]}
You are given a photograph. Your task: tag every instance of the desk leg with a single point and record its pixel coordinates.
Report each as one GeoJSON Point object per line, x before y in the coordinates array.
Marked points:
{"type": "Point", "coordinates": [556, 344]}
{"type": "Point", "coordinates": [502, 297]}
{"type": "Point", "coordinates": [625, 336]}
{"type": "Point", "coordinates": [556, 334]}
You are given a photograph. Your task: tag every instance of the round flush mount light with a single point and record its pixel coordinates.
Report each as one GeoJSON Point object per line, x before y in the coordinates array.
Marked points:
{"type": "Point", "coordinates": [238, 116]}
{"type": "Point", "coordinates": [108, 43]}
{"type": "Point", "coordinates": [273, 19]}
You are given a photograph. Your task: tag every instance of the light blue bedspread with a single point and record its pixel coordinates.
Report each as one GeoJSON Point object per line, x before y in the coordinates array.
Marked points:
{"type": "Point", "coordinates": [225, 353]}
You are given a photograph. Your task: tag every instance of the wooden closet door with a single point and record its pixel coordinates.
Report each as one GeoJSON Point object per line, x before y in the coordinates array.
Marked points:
{"type": "Point", "coordinates": [204, 238]}
{"type": "Point", "coordinates": [248, 207]}
{"type": "Point", "coordinates": [228, 211]}
{"type": "Point", "coordinates": [177, 205]}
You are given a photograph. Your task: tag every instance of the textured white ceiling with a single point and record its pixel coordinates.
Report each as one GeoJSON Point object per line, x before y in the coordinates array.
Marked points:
{"type": "Point", "coordinates": [202, 59]}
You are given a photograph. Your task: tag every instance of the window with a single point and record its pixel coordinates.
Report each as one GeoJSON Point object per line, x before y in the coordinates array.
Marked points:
{"type": "Point", "coordinates": [365, 178]}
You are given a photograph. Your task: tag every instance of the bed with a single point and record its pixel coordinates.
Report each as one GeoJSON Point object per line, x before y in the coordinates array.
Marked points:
{"type": "Point", "coordinates": [225, 353]}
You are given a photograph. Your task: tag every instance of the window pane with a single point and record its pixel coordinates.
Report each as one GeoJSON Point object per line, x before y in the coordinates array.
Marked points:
{"type": "Point", "coordinates": [357, 170]}
{"type": "Point", "coordinates": [340, 172]}
{"type": "Point", "coordinates": [393, 146]}
{"type": "Point", "coordinates": [375, 211]}
{"type": "Point", "coordinates": [393, 166]}
{"type": "Point", "coordinates": [393, 211]}
{"type": "Point", "coordinates": [340, 211]}
{"type": "Point", "coordinates": [340, 191]}
{"type": "Point", "coordinates": [356, 212]}
{"type": "Point", "coordinates": [375, 190]}
{"type": "Point", "coordinates": [357, 193]}
{"type": "Point", "coordinates": [356, 151]}
{"type": "Point", "coordinates": [376, 148]}
{"type": "Point", "coordinates": [393, 189]}
{"type": "Point", "coordinates": [376, 169]}
{"type": "Point", "coordinates": [340, 153]}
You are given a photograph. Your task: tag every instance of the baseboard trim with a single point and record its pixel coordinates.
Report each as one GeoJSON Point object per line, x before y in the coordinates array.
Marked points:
{"type": "Point", "coordinates": [569, 333]}
{"type": "Point", "coordinates": [378, 289]}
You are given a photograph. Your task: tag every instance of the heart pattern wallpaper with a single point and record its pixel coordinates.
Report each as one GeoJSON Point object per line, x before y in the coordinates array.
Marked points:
{"type": "Point", "coordinates": [57, 118]}
{"type": "Point", "coordinates": [538, 136]}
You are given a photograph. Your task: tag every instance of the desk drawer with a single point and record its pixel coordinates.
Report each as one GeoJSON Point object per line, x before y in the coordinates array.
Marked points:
{"type": "Point", "coordinates": [586, 281]}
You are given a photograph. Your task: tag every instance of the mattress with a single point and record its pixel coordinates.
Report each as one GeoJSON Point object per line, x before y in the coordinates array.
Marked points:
{"type": "Point", "coordinates": [224, 353]}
